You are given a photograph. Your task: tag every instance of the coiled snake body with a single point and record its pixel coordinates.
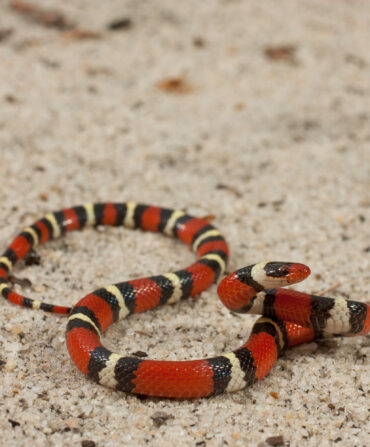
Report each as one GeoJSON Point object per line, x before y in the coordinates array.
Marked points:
{"type": "Point", "coordinates": [288, 317]}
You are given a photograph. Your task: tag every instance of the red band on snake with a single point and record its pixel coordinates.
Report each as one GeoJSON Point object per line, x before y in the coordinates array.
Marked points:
{"type": "Point", "coordinates": [289, 317]}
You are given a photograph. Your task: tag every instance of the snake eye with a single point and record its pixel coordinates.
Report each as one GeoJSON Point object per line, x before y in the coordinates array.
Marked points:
{"type": "Point", "coordinates": [284, 271]}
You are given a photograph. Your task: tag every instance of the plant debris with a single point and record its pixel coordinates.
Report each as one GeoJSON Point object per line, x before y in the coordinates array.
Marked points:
{"type": "Point", "coordinates": [275, 440]}
{"type": "Point", "coordinates": [209, 217]}
{"type": "Point", "coordinates": [140, 354]}
{"type": "Point", "coordinates": [14, 423]}
{"type": "Point", "coordinates": [119, 24]}
{"type": "Point", "coordinates": [46, 17]}
{"type": "Point", "coordinates": [175, 85]}
{"type": "Point", "coordinates": [5, 33]}
{"type": "Point", "coordinates": [23, 282]}
{"type": "Point", "coordinates": [143, 333]}
{"type": "Point", "coordinates": [229, 189]}
{"type": "Point", "coordinates": [80, 34]}
{"type": "Point", "coordinates": [160, 417]}
{"type": "Point", "coordinates": [88, 443]}
{"type": "Point", "coordinates": [199, 42]}
{"type": "Point", "coordinates": [331, 289]}
{"type": "Point", "coordinates": [274, 203]}
{"type": "Point", "coordinates": [52, 19]}
{"type": "Point", "coordinates": [283, 53]}
{"type": "Point", "coordinates": [32, 258]}
{"type": "Point", "coordinates": [10, 99]}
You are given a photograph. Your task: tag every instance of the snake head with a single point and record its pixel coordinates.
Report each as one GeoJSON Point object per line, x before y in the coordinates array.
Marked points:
{"type": "Point", "coordinates": [285, 272]}
{"type": "Point", "coordinates": [238, 288]}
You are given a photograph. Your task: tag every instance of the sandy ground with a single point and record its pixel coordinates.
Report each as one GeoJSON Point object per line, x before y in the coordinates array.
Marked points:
{"type": "Point", "coordinates": [255, 112]}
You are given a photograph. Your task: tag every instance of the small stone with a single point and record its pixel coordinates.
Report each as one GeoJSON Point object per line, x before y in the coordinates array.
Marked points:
{"type": "Point", "coordinates": [275, 440]}
{"type": "Point", "coordinates": [88, 443]}
{"type": "Point", "coordinates": [10, 366]}
{"type": "Point", "coordinates": [72, 422]}
{"type": "Point", "coordinates": [16, 330]}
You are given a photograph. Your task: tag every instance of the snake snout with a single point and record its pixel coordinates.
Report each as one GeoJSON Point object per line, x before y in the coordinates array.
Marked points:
{"type": "Point", "coordinates": [297, 272]}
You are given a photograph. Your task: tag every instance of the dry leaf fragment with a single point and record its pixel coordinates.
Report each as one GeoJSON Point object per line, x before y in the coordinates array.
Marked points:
{"type": "Point", "coordinates": [45, 17]}
{"type": "Point", "coordinates": [174, 85]}
{"type": "Point", "coordinates": [80, 34]}
{"type": "Point", "coordinates": [274, 394]}
{"type": "Point", "coordinates": [284, 53]}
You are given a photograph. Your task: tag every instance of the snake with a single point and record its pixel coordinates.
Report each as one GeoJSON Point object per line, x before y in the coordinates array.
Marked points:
{"type": "Point", "coordinates": [288, 317]}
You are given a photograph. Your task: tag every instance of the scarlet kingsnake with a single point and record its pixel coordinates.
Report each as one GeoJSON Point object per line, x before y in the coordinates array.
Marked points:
{"type": "Point", "coordinates": [289, 317]}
